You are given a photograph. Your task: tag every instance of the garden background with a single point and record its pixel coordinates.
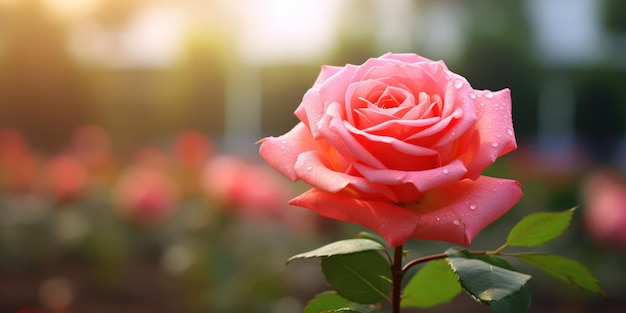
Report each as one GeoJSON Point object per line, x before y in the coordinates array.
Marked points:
{"type": "Point", "coordinates": [130, 179]}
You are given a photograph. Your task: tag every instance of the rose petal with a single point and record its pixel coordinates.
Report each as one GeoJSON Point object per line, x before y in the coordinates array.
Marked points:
{"type": "Point", "coordinates": [457, 212]}
{"type": "Point", "coordinates": [313, 170]}
{"type": "Point", "coordinates": [329, 87]}
{"type": "Point", "coordinates": [333, 129]}
{"type": "Point", "coordinates": [396, 144]}
{"type": "Point", "coordinates": [392, 222]}
{"type": "Point", "coordinates": [495, 126]}
{"type": "Point", "coordinates": [422, 180]}
{"type": "Point", "coordinates": [282, 152]}
{"type": "Point", "coordinates": [405, 57]}
{"type": "Point", "coordinates": [326, 72]}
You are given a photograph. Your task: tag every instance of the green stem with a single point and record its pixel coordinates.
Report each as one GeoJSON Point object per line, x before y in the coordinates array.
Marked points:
{"type": "Point", "coordinates": [440, 256]}
{"type": "Point", "coordinates": [397, 274]}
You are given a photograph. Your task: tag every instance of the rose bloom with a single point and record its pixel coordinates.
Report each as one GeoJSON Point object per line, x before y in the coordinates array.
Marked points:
{"type": "Point", "coordinates": [19, 167]}
{"type": "Point", "coordinates": [146, 195]}
{"type": "Point", "coordinates": [604, 196]}
{"type": "Point", "coordinates": [192, 149]}
{"type": "Point", "coordinates": [398, 145]}
{"type": "Point", "coordinates": [66, 177]}
{"type": "Point", "coordinates": [253, 190]}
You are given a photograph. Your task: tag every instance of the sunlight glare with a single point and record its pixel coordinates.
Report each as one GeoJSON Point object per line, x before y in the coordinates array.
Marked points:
{"type": "Point", "coordinates": [279, 30]}
{"type": "Point", "coordinates": [71, 8]}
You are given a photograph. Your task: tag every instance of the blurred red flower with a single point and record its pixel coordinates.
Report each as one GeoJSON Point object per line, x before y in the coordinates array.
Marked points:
{"type": "Point", "coordinates": [146, 195]}
{"type": "Point", "coordinates": [604, 196]}
{"type": "Point", "coordinates": [66, 177]}
{"type": "Point", "coordinates": [18, 164]}
{"type": "Point", "coordinates": [192, 149]}
{"type": "Point", "coordinates": [252, 189]}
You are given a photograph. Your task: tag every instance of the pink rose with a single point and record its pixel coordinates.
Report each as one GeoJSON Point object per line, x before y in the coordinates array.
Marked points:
{"type": "Point", "coordinates": [604, 196]}
{"type": "Point", "coordinates": [146, 195]}
{"type": "Point", "coordinates": [398, 145]}
{"type": "Point", "coordinates": [251, 189]}
{"type": "Point", "coordinates": [67, 177]}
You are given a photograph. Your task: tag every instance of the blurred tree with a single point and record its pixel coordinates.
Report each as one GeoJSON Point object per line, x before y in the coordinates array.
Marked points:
{"type": "Point", "coordinates": [283, 89]}
{"type": "Point", "coordinates": [191, 95]}
{"type": "Point", "coordinates": [615, 15]}
{"type": "Point", "coordinates": [43, 92]}
{"type": "Point", "coordinates": [355, 40]}
{"type": "Point", "coordinates": [600, 110]}
{"type": "Point", "coordinates": [498, 55]}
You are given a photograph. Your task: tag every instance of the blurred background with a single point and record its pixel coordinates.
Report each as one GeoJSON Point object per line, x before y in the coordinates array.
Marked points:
{"type": "Point", "coordinates": [129, 174]}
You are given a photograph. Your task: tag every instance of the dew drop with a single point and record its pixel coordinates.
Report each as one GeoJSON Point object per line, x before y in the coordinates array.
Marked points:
{"type": "Point", "coordinates": [456, 222]}
{"type": "Point", "coordinates": [472, 95]}
{"type": "Point", "coordinates": [458, 84]}
{"type": "Point", "coordinates": [446, 171]}
{"type": "Point", "coordinates": [472, 207]}
{"type": "Point", "coordinates": [308, 168]}
{"type": "Point", "coordinates": [510, 132]}
{"type": "Point", "coordinates": [489, 95]}
{"type": "Point", "coordinates": [494, 144]}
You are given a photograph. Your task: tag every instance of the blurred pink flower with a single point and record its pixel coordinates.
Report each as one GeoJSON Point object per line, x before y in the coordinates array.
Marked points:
{"type": "Point", "coordinates": [66, 177]}
{"type": "Point", "coordinates": [18, 165]}
{"type": "Point", "coordinates": [252, 189]}
{"type": "Point", "coordinates": [604, 196]}
{"type": "Point", "coordinates": [192, 149]}
{"type": "Point", "coordinates": [146, 195]}
{"type": "Point", "coordinates": [91, 145]}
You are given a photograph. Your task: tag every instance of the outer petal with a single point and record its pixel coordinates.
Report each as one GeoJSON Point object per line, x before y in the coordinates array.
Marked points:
{"type": "Point", "coordinates": [393, 222]}
{"type": "Point", "coordinates": [495, 126]}
{"type": "Point", "coordinates": [311, 168]}
{"type": "Point", "coordinates": [326, 72]}
{"type": "Point", "coordinates": [405, 57]}
{"type": "Point", "coordinates": [282, 152]}
{"type": "Point", "coordinates": [330, 86]}
{"type": "Point", "coordinates": [457, 212]}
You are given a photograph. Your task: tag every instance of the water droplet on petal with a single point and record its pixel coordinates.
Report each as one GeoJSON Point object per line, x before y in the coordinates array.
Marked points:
{"type": "Point", "coordinates": [308, 168]}
{"type": "Point", "coordinates": [472, 207]}
{"type": "Point", "coordinates": [489, 95]}
{"type": "Point", "coordinates": [510, 132]}
{"type": "Point", "coordinates": [446, 171]}
{"type": "Point", "coordinates": [456, 222]}
{"type": "Point", "coordinates": [472, 95]}
{"type": "Point", "coordinates": [494, 144]}
{"type": "Point", "coordinates": [458, 84]}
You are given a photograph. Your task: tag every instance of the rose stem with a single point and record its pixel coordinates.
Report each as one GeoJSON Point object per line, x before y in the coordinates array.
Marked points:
{"type": "Point", "coordinates": [397, 274]}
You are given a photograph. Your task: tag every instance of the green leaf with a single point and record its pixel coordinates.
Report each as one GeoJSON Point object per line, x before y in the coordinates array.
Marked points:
{"type": "Point", "coordinates": [494, 260]}
{"type": "Point", "coordinates": [435, 283]}
{"type": "Point", "coordinates": [341, 247]}
{"type": "Point", "coordinates": [539, 228]}
{"type": "Point", "coordinates": [375, 237]}
{"type": "Point", "coordinates": [503, 289]}
{"type": "Point", "coordinates": [359, 308]}
{"type": "Point", "coordinates": [363, 277]}
{"type": "Point", "coordinates": [327, 301]}
{"type": "Point", "coordinates": [564, 269]}
{"type": "Point", "coordinates": [518, 302]}
{"type": "Point", "coordinates": [330, 301]}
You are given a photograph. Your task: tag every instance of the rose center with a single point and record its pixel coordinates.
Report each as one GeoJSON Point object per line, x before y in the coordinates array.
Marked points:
{"type": "Point", "coordinates": [387, 101]}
